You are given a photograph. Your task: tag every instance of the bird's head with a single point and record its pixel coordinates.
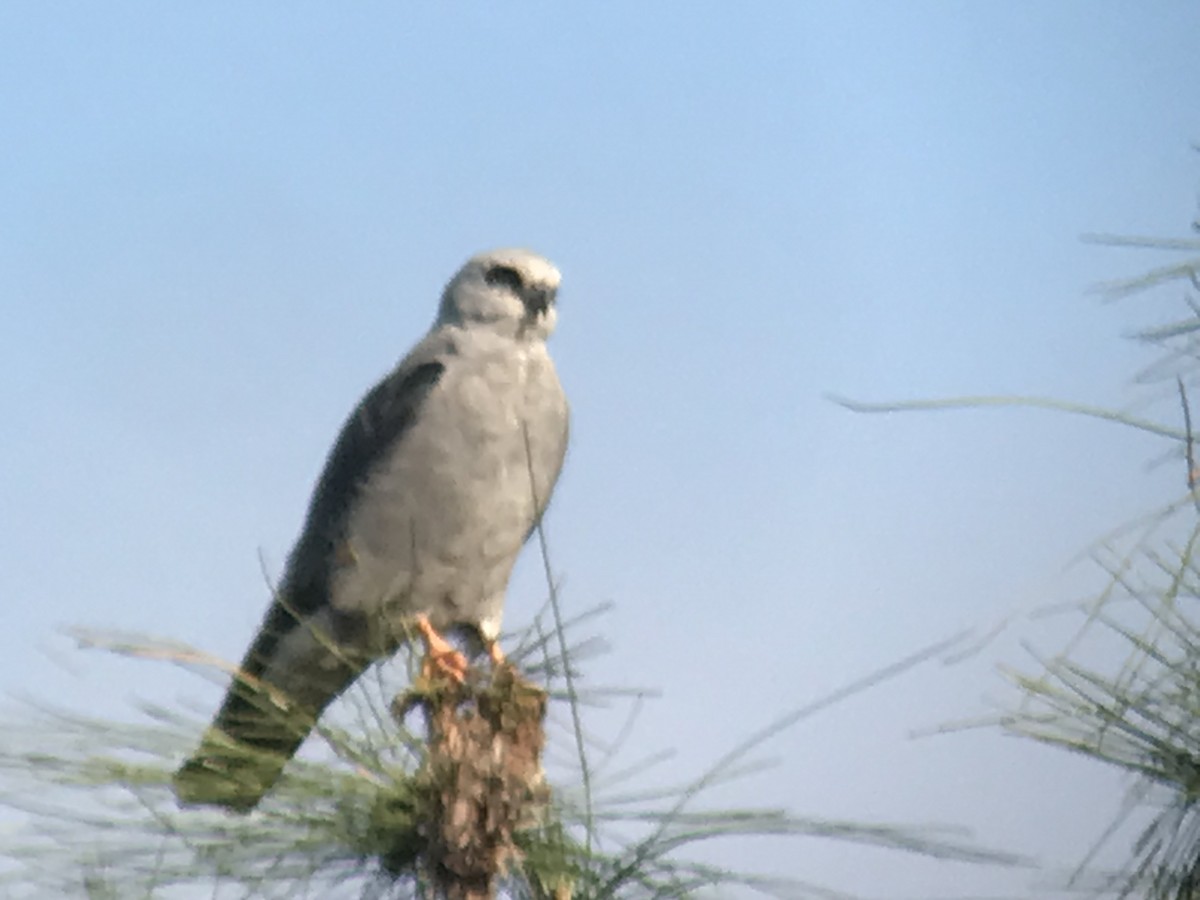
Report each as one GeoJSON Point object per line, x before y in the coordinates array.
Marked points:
{"type": "Point", "coordinates": [510, 291]}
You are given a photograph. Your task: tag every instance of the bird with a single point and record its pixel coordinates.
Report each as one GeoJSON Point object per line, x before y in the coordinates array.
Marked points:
{"type": "Point", "coordinates": [437, 479]}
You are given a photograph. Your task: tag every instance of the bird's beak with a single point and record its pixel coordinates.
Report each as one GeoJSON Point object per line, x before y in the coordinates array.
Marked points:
{"type": "Point", "coordinates": [538, 300]}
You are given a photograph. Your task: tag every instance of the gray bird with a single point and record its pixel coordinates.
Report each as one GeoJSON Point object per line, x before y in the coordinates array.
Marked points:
{"type": "Point", "coordinates": [437, 479]}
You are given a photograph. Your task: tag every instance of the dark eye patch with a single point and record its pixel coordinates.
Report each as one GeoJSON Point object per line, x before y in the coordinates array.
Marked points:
{"type": "Point", "coordinates": [506, 276]}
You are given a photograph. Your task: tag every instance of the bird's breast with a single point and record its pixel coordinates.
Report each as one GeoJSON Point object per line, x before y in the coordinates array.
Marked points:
{"type": "Point", "coordinates": [443, 516]}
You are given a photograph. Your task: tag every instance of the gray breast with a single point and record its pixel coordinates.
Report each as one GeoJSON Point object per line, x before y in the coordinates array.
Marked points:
{"type": "Point", "coordinates": [441, 518]}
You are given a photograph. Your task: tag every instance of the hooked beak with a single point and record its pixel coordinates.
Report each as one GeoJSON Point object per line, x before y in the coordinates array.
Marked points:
{"type": "Point", "coordinates": [538, 300]}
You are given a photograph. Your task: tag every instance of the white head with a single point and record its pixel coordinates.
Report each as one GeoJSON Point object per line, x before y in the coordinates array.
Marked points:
{"type": "Point", "coordinates": [509, 291]}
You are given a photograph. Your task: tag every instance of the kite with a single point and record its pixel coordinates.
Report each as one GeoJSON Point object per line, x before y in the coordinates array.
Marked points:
{"type": "Point", "coordinates": [436, 481]}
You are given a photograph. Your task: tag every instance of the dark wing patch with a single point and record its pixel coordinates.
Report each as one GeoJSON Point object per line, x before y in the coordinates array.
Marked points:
{"type": "Point", "coordinates": [376, 424]}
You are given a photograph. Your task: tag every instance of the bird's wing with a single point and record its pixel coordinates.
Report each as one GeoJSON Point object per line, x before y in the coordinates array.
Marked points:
{"type": "Point", "coordinates": [379, 421]}
{"type": "Point", "coordinates": [253, 737]}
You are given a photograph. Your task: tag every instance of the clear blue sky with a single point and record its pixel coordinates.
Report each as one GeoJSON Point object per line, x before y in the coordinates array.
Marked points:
{"type": "Point", "coordinates": [220, 222]}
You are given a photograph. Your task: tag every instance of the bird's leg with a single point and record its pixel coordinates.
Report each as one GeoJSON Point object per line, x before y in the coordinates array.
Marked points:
{"type": "Point", "coordinates": [495, 653]}
{"type": "Point", "coordinates": [440, 657]}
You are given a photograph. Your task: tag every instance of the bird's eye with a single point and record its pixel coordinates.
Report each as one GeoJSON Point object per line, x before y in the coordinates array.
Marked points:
{"type": "Point", "coordinates": [506, 276]}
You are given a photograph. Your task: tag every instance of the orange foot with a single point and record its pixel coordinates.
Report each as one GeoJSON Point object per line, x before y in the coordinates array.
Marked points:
{"type": "Point", "coordinates": [440, 658]}
{"type": "Point", "coordinates": [495, 653]}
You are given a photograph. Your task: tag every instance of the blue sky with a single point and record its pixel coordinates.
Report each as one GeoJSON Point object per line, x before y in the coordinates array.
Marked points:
{"type": "Point", "coordinates": [219, 223]}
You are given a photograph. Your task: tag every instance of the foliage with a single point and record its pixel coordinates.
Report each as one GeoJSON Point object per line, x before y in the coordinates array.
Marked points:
{"type": "Point", "coordinates": [351, 817]}
{"type": "Point", "coordinates": [1143, 715]}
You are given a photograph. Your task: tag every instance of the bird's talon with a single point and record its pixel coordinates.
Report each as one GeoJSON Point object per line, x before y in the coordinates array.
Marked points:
{"type": "Point", "coordinates": [440, 657]}
{"type": "Point", "coordinates": [446, 664]}
{"type": "Point", "coordinates": [496, 654]}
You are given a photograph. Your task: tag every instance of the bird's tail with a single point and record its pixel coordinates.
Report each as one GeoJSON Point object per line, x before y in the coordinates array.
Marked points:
{"type": "Point", "coordinates": [255, 734]}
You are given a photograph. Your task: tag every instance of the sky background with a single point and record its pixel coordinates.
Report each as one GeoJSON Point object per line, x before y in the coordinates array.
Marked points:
{"type": "Point", "coordinates": [220, 223]}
